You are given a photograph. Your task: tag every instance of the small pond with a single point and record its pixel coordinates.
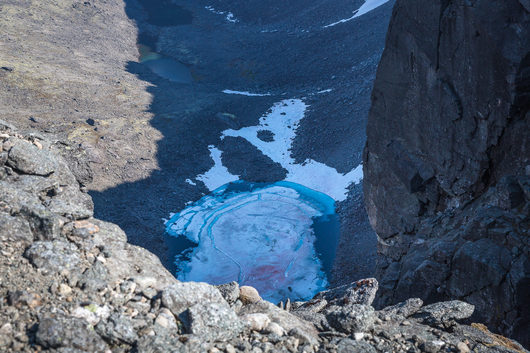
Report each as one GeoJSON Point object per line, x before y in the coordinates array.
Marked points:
{"type": "Point", "coordinates": [164, 66]}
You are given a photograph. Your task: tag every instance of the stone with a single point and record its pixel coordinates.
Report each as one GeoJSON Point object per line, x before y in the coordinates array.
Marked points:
{"type": "Point", "coordinates": [446, 311]}
{"type": "Point", "coordinates": [462, 347]}
{"type": "Point", "coordinates": [68, 332]}
{"type": "Point", "coordinates": [274, 328]}
{"type": "Point", "coordinates": [166, 319]}
{"type": "Point", "coordinates": [84, 229]}
{"type": "Point", "coordinates": [64, 289]}
{"type": "Point", "coordinates": [351, 318]}
{"type": "Point", "coordinates": [6, 332]}
{"type": "Point", "coordinates": [283, 318]}
{"type": "Point", "coordinates": [95, 277]}
{"type": "Point", "coordinates": [181, 296]}
{"type": "Point", "coordinates": [347, 345]}
{"type": "Point", "coordinates": [229, 291]}
{"type": "Point", "coordinates": [92, 313]}
{"type": "Point", "coordinates": [15, 229]}
{"type": "Point", "coordinates": [403, 309]}
{"type": "Point", "coordinates": [360, 292]}
{"type": "Point", "coordinates": [70, 202]}
{"type": "Point", "coordinates": [118, 329]}
{"type": "Point", "coordinates": [257, 321]}
{"type": "Point", "coordinates": [249, 295]}
{"type": "Point", "coordinates": [53, 256]}
{"type": "Point", "coordinates": [211, 321]}
{"type": "Point", "coordinates": [27, 158]}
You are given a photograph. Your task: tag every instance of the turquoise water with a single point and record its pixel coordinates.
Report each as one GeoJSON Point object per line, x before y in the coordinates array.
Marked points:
{"type": "Point", "coordinates": [278, 237]}
{"type": "Point", "coordinates": [164, 66]}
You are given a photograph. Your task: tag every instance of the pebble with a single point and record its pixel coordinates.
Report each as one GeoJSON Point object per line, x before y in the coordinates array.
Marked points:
{"type": "Point", "coordinates": [249, 295]}
{"type": "Point", "coordinates": [462, 347]}
{"type": "Point", "coordinates": [274, 328]}
{"type": "Point", "coordinates": [358, 336]}
{"type": "Point", "coordinates": [166, 319]}
{"type": "Point", "coordinates": [64, 289]}
{"type": "Point", "coordinates": [230, 349]}
{"type": "Point", "coordinates": [257, 321]}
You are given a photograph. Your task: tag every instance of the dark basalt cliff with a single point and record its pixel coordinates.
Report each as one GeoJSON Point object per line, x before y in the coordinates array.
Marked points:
{"type": "Point", "coordinates": [448, 157]}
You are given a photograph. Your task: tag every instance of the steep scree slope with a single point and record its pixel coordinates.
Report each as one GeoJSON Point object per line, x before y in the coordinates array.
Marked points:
{"type": "Point", "coordinates": [447, 157]}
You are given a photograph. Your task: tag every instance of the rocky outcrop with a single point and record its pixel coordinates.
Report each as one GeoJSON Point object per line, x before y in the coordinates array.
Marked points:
{"type": "Point", "coordinates": [71, 283]}
{"type": "Point", "coordinates": [447, 158]}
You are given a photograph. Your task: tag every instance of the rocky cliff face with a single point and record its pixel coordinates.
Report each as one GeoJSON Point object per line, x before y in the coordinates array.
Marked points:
{"type": "Point", "coordinates": [448, 157]}
{"type": "Point", "coordinates": [72, 283]}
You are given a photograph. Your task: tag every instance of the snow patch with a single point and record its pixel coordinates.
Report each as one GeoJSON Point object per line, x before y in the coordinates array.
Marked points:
{"type": "Point", "coordinates": [325, 91]}
{"type": "Point", "coordinates": [245, 93]}
{"type": "Point", "coordinates": [218, 175]}
{"type": "Point", "coordinates": [191, 182]}
{"type": "Point", "coordinates": [229, 16]}
{"type": "Point", "coordinates": [283, 121]}
{"type": "Point", "coordinates": [368, 6]}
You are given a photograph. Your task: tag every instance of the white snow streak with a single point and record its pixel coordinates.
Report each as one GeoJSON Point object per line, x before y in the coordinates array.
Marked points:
{"type": "Point", "coordinates": [368, 6]}
{"type": "Point", "coordinates": [218, 175]}
{"type": "Point", "coordinates": [245, 93]}
{"type": "Point", "coordinates": [229, 16]}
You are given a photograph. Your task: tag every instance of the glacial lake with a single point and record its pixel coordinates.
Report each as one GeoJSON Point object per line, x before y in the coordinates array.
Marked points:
{"type": "Point", "coordinates": [280, 238]}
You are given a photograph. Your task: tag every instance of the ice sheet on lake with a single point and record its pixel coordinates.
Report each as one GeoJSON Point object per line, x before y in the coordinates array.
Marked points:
{"type": "Point", "coordinates": [218, 175]}
{"type": "Point", "coordinates": [283, 121]}
{"type": "Point", "coordinates": [368, 6]}
{"type": "Point", "coordinates": [261, 238]}
{"type": "Point", "coordinates": [245, 93]}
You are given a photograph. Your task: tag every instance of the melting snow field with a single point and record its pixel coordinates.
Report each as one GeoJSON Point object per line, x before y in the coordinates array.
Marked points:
{"type": "Point", "coordinates": [283, 121]}
{"type": "Point", "coordinates": [261, 237]}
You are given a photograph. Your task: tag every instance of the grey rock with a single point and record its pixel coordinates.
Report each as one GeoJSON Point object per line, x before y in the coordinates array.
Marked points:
{"type": "Point", "coordinates": [14, 229]}
{"type": "Point", "coordinates": [347, 345]}
{"type": "Point", "coordinates": [229, 291]}
{"type": "Point", "coordinates": [283, 318]}
{"type": "Point", "coordinates": [69, 332]}
{"type": "Point", "coordinates": [403, 309]}
{"type": "Point", "coordinates": [27, 158]}
{"type": "Point", "coordinates": [446, 311]}
{"type": "Point", "coordinates": [351, 318]}
{"type": "Point", "coordinates": [94, 278]}
{"type": "Point", "coordinates": [117, 329]}
{"type": "Point", "coordinates": [6, 333]}
{"type": "Point", "coordinates": [360, 292]}
{"type": "Point", "coordinates": [181, 296]}
{"type": "Point", "coordinates": [318, 319]}
{"type": "Point", "coordinates": [53, 256]}
{"type": "Point", "coordinates": [72, 203]}
{"type": "Point", "coordinates": [212, 321]}
{"type": "Point", "coordinates": [159, 344]}
{"type": "Point", "coordinates": [249, 295]}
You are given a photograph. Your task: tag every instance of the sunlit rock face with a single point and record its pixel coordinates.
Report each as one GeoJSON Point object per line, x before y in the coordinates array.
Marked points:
{"type": "Point", "coordinates": [257, 235]}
